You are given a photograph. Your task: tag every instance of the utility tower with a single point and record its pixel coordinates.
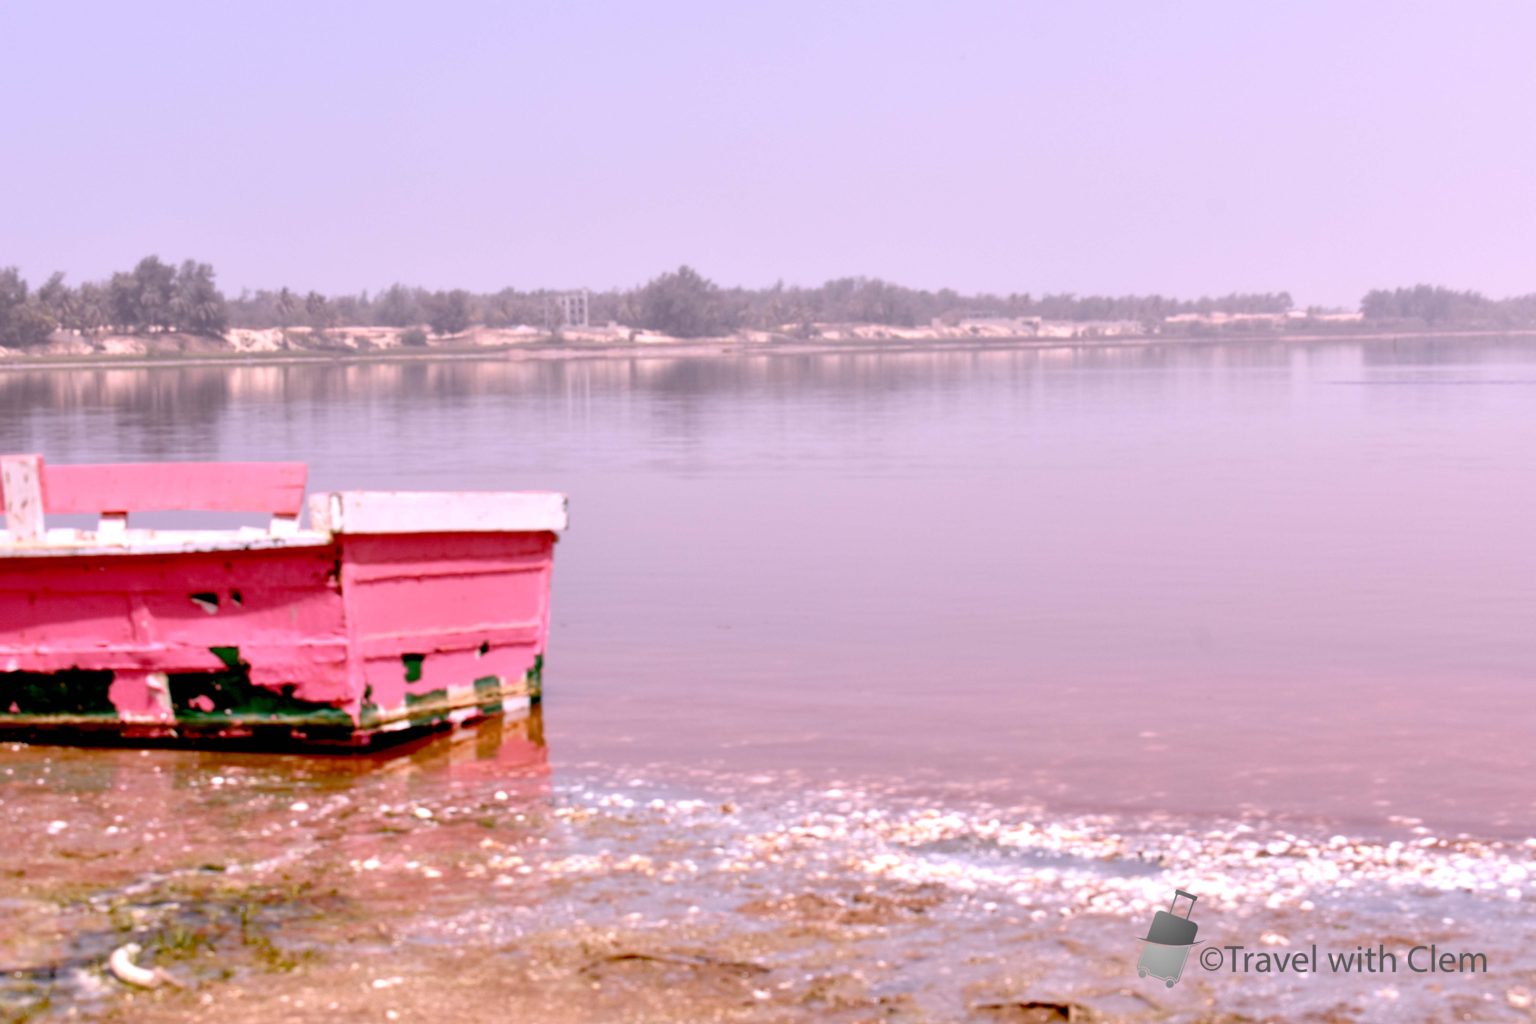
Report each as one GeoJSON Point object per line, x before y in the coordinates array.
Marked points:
{"type": "Point", "coordinates": [571, 309]}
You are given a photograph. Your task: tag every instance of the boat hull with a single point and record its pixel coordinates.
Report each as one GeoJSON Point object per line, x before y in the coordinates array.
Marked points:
{"type": "Point", "coordinates": [331, 639]}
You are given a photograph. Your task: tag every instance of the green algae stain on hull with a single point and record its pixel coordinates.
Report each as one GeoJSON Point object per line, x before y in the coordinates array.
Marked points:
{"type": "Point", "coordinates": [488, 694]}
{"type": "Point", "coordinates": [225, 706]}
{"type": "Point", "coordinates": [203, 699]}
{"type": "Point", "coordinates": [71, 693]}
{"type": "Point", "coordinates": [535, 677]}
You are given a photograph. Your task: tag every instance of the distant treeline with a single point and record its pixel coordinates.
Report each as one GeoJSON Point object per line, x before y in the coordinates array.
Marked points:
{"type": "Point", "coordinates": [685, 304]}
{"type": "Point", "coordinates": [155, 297]}
{"type": "Point", "coordinates": [1442, 307]}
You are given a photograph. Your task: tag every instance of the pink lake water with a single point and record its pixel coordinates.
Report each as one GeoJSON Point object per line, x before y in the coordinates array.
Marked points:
{"type": "Point", "coordinates": [1298, 581]}
{"type": "Point", "coordinates": [916, 678]}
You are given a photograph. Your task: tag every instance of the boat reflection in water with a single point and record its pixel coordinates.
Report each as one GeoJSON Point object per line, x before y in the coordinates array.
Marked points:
{"type": "Point", "coordinates": [500, 751]}
{"type": "Point", "coordinates": [499, 754]}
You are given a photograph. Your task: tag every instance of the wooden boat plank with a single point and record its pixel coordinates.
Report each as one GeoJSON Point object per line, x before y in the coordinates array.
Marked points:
{"type": "Point", "coordinates": [273, 487]}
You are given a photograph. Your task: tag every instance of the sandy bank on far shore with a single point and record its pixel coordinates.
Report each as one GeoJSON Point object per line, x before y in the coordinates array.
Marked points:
{"type": "Point", "coordinates": [383, 344]}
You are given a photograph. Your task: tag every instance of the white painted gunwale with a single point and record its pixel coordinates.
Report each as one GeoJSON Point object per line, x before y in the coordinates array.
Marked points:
{"type": "Point", "coordinates": [376, 512]}
{"type": "Point", "coordinates": [88, 543]}
{"type": "Point", "coordinates": [332, 515]}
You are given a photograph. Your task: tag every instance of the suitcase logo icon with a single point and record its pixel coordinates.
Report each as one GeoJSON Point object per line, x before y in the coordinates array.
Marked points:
{"type": "Point", "coordinates": [1168, 941]}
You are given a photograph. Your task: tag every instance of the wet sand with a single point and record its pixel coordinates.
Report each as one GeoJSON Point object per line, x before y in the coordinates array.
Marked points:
{"type": "Point", "coordinates": [460, 879]}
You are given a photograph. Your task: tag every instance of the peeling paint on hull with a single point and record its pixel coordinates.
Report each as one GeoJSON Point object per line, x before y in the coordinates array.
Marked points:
{"type": "Point", "coordinates": [285, 729]}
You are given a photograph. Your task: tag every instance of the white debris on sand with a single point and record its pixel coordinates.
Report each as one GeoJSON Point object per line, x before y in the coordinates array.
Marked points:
{"type": "Point", "coordinates": [1088, 864]}
{"type": "Point", "coordinates": [122, 967]}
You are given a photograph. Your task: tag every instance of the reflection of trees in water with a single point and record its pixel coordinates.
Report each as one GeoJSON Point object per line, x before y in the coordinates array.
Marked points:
{"type": "Point", "coordinates": [169, 412]}
{"type": "Point", "coordinates": [1430, 351]}
{"type": "Point", "coordinates": [865, 373]}
{"type": "Point", "coordinates": [175, 411]}
{"type": "Point", "coordinates": [176, 414]}
{"type": "Point", "coordinates": [200, 393]}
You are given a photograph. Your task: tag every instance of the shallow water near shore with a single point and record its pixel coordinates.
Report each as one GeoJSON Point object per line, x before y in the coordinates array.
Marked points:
{"type": "Point", "coordinates": [897, 686]}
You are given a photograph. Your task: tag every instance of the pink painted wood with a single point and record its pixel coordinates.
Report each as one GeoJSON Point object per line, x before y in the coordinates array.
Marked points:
{"type": "Point", "coordinates": [275, 487]}
{"type": "Point", "coordinates": [413, 628]}
{"type": "Point", "coordinates": [470, 605]}
{"type": "Point", "coordinates": [355, 632]}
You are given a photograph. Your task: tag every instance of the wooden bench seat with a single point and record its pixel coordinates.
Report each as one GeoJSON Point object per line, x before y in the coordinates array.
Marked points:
{"type": "Point", "coordinates": [31, 490]}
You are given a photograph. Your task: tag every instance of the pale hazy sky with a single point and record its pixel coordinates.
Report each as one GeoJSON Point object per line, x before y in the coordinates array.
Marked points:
{"type": "Point", "coordinates": [1183, 148]}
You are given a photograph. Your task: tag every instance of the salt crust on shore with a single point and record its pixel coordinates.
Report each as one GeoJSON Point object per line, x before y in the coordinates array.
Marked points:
{"type": "Point", "coordinates": [1090, 864]}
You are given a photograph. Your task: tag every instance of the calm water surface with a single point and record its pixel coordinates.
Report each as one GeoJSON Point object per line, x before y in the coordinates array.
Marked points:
{"type": "Point", "coordinates": [1296, 582]}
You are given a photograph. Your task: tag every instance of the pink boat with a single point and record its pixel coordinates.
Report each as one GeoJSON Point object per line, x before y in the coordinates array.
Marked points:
{"type": "Point", "coordinates": [391, 612]}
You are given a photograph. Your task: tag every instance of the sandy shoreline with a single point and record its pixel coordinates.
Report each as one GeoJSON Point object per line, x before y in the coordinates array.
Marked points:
{"type": "Point", "coordinates": [675, 348]}
{"type": "Point", "coordinates": [317, 890]}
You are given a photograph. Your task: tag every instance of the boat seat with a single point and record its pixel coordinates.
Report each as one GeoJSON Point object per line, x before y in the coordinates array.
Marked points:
{"type": "Point", "coordinates": [31, 490]}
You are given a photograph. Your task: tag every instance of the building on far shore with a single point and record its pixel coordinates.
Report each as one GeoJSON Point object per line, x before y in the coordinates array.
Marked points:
{"type": "Point", "coordinates": [1094, 329]}
{"type": "Point", "coordinates": [1038, 327]}
{"type": "Point", "coordinates": [1224, 319]}
{"type": "Point", "coordinates": [1290, 316]}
